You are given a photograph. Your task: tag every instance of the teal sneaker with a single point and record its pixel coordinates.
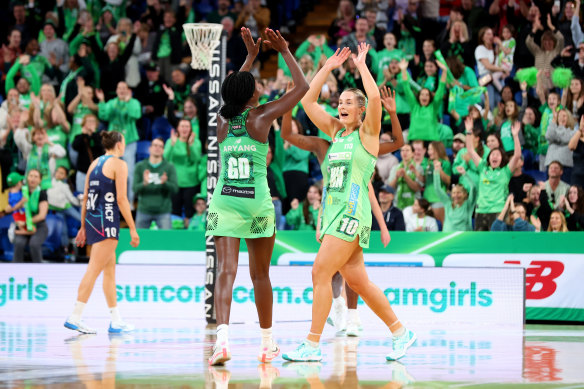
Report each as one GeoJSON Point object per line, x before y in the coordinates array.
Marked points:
{"type": "Point", "coordinates": [304, 353]}
{"type": "Point", "coordinates": [400, 345]}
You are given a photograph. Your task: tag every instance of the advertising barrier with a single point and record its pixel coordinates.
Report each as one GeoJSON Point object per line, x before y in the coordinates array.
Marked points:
{"type": "Point", "coordinates": [407, 249]}
{"type": "Point", "coordinates": [443, 297]}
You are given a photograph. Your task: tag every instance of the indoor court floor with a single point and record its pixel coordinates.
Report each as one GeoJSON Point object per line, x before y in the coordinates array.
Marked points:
{"type": "Point", "coordinates": [173, 354]}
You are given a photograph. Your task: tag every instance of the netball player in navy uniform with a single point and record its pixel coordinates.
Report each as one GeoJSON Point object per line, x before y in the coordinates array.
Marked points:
{"type": "Point", "coordinates": [104, 197]}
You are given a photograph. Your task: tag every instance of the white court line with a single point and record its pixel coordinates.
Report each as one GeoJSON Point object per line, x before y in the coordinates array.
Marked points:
{"type": "Point", "coordinates": [439, 241]}
{"type": "Point", "coordinates": [287, 247]}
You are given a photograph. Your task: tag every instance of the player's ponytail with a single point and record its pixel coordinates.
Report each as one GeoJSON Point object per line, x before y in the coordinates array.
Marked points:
{"type": "Point", "coordinates": [237, 89]}
{"type": "Point", "coordinates": [109, 139]}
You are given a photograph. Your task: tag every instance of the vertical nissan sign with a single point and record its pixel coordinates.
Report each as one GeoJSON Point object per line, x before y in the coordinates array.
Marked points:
{"type": "Point", "coordinates": [216, 77]}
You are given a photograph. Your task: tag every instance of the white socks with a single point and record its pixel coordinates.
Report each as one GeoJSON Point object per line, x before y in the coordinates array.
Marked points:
{"type": "Point", "coordinates": [222, 333]}
{"type": "Point", "coordinates": [400, 332]}
{"type": "Point", "coordinates": [353, 316]}
{"type": "Point", "coordinates": [77, 311]}
{"type": "Point", "coordinates": [338, 301]}
{"type": "Point", "coordinates": [266, 337]}
{"type": "Point", "coordinates": [312, 344]}
{"type": "Point", "coordinates": [115, 313]}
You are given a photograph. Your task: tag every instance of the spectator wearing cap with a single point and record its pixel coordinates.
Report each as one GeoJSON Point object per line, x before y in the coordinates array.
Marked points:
{"type": "Point", "coordinates": [151, 93]}
{"type": "Point", "coordinates": [155, 183]}
{"type": "Point", "coordinates": [16, 201]}
{"type": "Point", "coordinates": [393, 216]}
{"type": "Point", "coordinates": [199, 220]}
{"type": "Point", "coordinates": [53, 48]}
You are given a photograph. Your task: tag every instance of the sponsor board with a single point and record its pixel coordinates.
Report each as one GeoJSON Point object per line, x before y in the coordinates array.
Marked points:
{"type": "Point", "coordinates": [553, 287]}
{"type": "Point", "coordinates": [444, 296]}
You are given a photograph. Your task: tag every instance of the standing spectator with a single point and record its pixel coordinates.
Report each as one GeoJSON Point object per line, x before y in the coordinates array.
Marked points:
{"type": "Point", "coordinates": [485, 57]}
{"type": "Point", "coordinates": [151, 92]}
{"type": "Point", "coordinates": [374, 31]}
{"type": "Point", "coordinates": [574, 208]}
{"type": "Point", "coordinates": [554, 186]}
{"type": "Point", "coordinates": [255, 17]}
{"type": "Point", "coordinates": [495, 174]}
{"type": "Point", "coordinates": [463, 159]}
{"type": "Point", "coordinates": [425, 109]}
{"type": "Point", "coordinates": [576, 145]}
{"type": "Point", "coordinates": [236, 51]}
{"type": "Point", "coordinates": [154, 184]}
{"type": "Point", "coordinates": [87, 146]}
{"type": "Point", "coordinates": [183, 150]}
{"type": "Point", "coordinates": [403, 178]}
{"type": "Point", "coordinates": [510, 115]}
{"type": "Point", "coordinates": [573, 98]}
{"type": "Point", "coordinates": [474, 16]}
{"type": "Point", "coordinates": [520, 182]}
{"type": "Point", "coordinates": [54, 49]}
{"type": "Point", "coordinates": [458, 209]}
{"type": "Point", "coordinates": [304, 216]}
{"type": "Point", "coordinates": [458, 44]}
{"type": "Point", "coordinates": [10, 52]}
{"type": "Point", "coordinates": [558, 135]}
{"type": "Point", "coordinates": [122, 38]}
{"type": "Point", "coordinates": [393, 216]}
{"type": "Point", "coordinates": [552, 43]}
{"type": "Point", "coordinates": [382, 58]}
{"type": "Point", "coordinates": [121, 114]}
{"type": "Point", "coordinates": [223, 11]}
{"type": "Point", "coordinates": [344, 23]}
{"type": "Point", "coordinates": [417, 217]}
{"type": "Point", "coordinates": [557, 222]}
{"type": "Point", "coordinates": [37, 206]}
{"type": "Point", "coordinates": [360, 35]}
{"type": "Point", "coordinates": [81, 106]}
{"type": "Point", "coordinates": [167, 49]}
{"type": "Point", "coordinates": [295, 167]}
{"type": "Point", "coordinates": [439, 165]}
{"type": "Point", "coordinates": [28, 82]}
{"type": "Point", "coordinates": [385, 162]}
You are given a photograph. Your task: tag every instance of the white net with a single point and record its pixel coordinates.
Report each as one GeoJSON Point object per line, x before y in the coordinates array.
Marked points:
{"type": "Point", "coordinates": [203, 38]}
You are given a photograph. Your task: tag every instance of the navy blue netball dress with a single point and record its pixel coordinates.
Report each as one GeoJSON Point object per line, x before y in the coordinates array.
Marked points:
{"type": "Point", "coordinates": [102, 219]}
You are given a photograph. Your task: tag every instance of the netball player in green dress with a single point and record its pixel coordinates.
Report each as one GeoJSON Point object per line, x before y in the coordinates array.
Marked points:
{"type": "Point", "coordinates": [346, 223]}
{"type": "Point", "coordinates": [241, 206]}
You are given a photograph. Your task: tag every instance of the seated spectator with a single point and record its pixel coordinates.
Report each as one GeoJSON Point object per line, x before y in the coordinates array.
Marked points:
{"type": "Point", "coordinates": [272, 177]}
{"type": "Point", "coordinates": [121, 113]}
{"type": "Point", "coordinates": [37, 207]}
{"type": "Point", "coordinates": [376, 31]}
{"type": "Point", "coordinates": [385, 162]}
{"type": "Point", "coordinates": [392, 216]}
{"type": "Point", "coordinates": [558, 135]}
{"type": "Point", "coordinates": [576, 145]}
{"type": "Point", "coordinates": [458, 44]}
{"type": "Point", "coordinates": [510, 116]}
{"type": "Point", "coordinates": [417, 217]}
{"type": "Point", "coordinates": [255, 17]}
{"type": "Point", "coordinates": [458, 208]}
{"type": "Point", "coordinates": [16, 201]}
{"type": "Point", "coordinates": [557, 222]}
{"type": "Point", "coordinates": [573, 98]}
{"type": "Point", "coordinates": [573, 208]}
{"type": "Point", "coordinates": [515, 221]}
{"type": "Point", "coordinates": [538, 206]}
{"type": "Point", "coordinates": [9, 53]}
{"type": "Point", "coordinates": [520, 183]}
{"type": "Point", "coordinates": [223, 10]}
{"type": "Point", "coordinates": [495, 174]}
{"type": "Point", "coordinates": [235, 52]}
{"type": "Point", "coordinates": [183, 150]}
{"type": "Point", "coordinates": [155, 183]}
{"type": "Point", "coordinates": [439, 165]}
{"type": "Point", "coordinates": [458, 143]}
{"type": "Point", "coordinates": [63, 202]}
{"type": "Point", "coordinates": [87, 146]}
{"type": "Point", "coordinates": [403, 177]}
{"type": "Point", "coordinates": [199, 220]}
{"type": "Point", "coordinates": [425, 109]}
{"type": "Point", "coordinates": [305, 216]}
{"type": "Point", "coordinates": [554, 186]}
{"type": "Point", "coordinates": [549, 105]}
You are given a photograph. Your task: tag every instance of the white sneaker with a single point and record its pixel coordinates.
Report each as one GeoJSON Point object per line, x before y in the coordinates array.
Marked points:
{"type": "Point", "coordinates": [119, 327]}
{"type": "Point", "coordinates": [221, 354]}
{"type": "Point", "coordinates": [354, 327]}
{"type": "Point", "coordinates": [80, 326]}
{"type": "Point", "coordinates": [268, 354]}
{"type": "Point", "coordinates": [338, 317]}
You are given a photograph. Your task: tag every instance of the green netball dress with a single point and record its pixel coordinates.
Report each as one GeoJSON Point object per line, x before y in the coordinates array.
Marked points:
{"type": "Point", "coordinates": [241, 205]}
{"type": "Point", "coordinates": [346, 208]}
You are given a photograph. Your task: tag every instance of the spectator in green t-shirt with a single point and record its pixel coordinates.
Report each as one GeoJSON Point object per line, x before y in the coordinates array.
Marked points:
{"type": "Point", "coordinates": [439, 164]}
{"type": "Point", "coordinates": [295, 167]}
{"type": "Point", "coordinates": [495, 174]}
{"type": "Point", "coordinates": [199, 220]}
{"type": "Point", "coordinates": [154, 184]}
{"type": "Point", "coordinates": [167, 49]}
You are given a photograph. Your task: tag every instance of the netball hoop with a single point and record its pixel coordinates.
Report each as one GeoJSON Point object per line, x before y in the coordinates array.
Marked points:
{"type": "Point", "coordinates": [208, 45]}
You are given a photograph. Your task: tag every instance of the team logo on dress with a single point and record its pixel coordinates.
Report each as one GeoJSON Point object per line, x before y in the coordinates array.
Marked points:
{"type": "Point", "coordinates": [353, 199]}
{"type": "Point", "coordinates": [236, 191]}
{"type": "Point", "coordinates": [342, 156]}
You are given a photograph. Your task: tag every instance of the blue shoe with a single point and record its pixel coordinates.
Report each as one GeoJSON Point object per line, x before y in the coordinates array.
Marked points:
{"type": "Point", "coordinates": [400, 345]}
{"type": "Point", "coordinates": [304, 353]}
{"type": "Point", "coordinates": [79, 326]}
{"type": "Point", "coordinates": [119, 327]}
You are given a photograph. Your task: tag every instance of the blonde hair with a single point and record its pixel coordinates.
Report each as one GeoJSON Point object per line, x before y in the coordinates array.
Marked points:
{"type": "Point", "coordinates": [571, 122]}
{"type": "Point", "coordinates": [563, 226]}
{"type": "Point", "coordinates": [463, 30]}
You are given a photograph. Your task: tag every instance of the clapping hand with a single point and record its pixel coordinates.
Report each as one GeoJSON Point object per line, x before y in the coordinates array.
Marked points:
{"type": "Point", "coordinates": [253, 48]}
{"type": "Point", "coordinates": [169, 91]}
{"type": "Point", "coordinates": [468, 123]}
{"type": "Point", "coordinates": [338, 58]}
{"type": "Point", "coordinates": [276, 40]}
{"type": "Point", "coordinates": [388, 99]}
{"type": "Point", "coordinates": [360, 58]}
